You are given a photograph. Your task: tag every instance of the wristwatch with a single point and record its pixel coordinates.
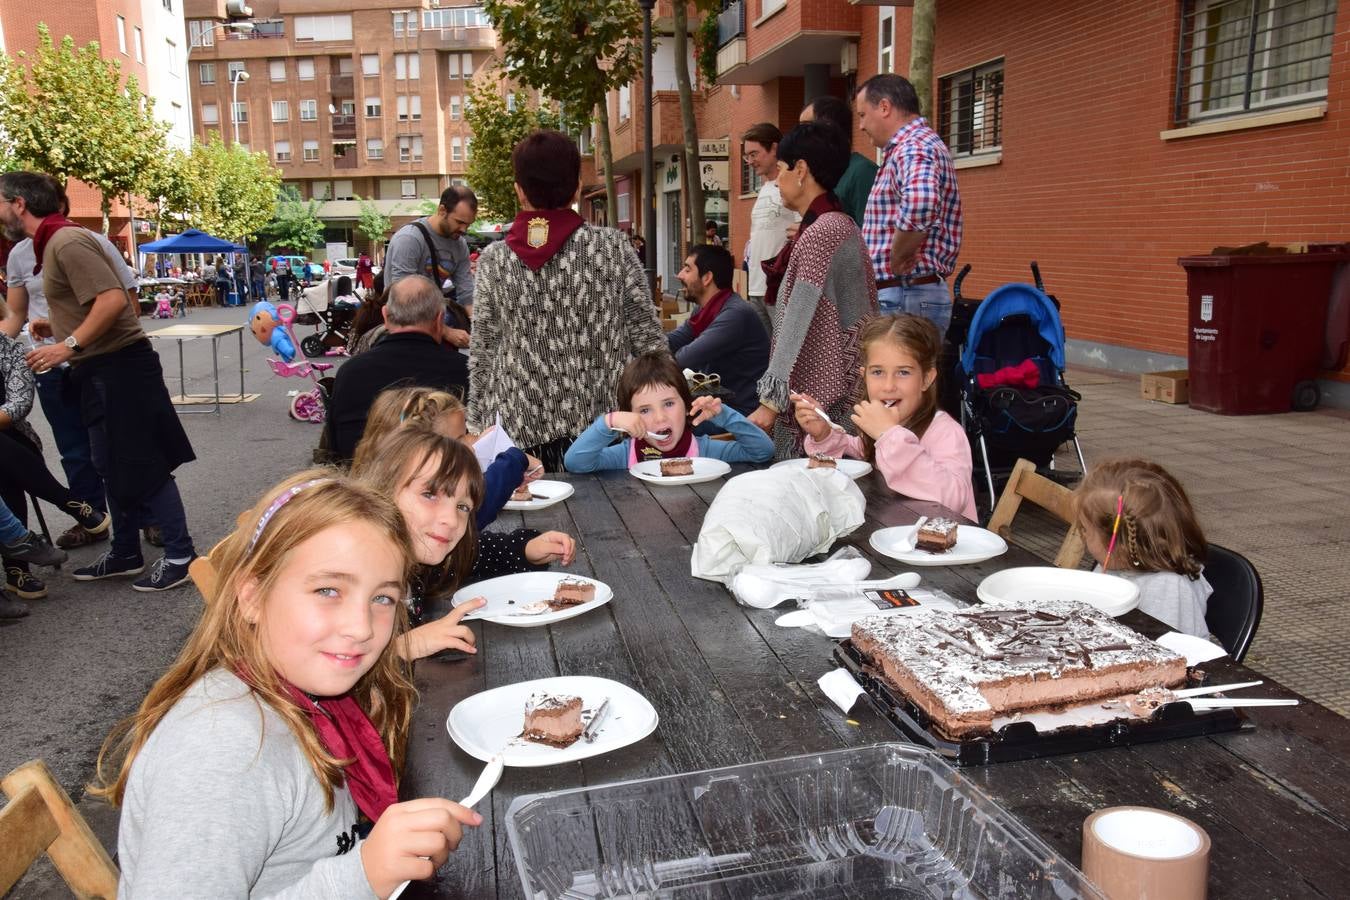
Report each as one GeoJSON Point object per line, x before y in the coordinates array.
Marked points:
{"type": "Point", "coordinates": [73, 344]}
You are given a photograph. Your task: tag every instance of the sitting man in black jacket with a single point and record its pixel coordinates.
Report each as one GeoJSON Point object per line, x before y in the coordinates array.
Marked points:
{"type": "Point", "coordinates": [411, 353]}
{"type": "Point", "coordinates": [724, 335]}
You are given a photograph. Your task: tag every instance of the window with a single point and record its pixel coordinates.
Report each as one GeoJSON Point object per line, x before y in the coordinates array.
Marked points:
{"type": "Point", "coordinates": [456, 150]}
{"type": "Point", "coordinates": [172, 50]}
{"type": "Point", "coordinates": [175, 115]}
{"type": "Point", "coordinates": [1253, 54]}
{"type": "Point", "coordinates": [321, 190]}
{"type": "Point", "coordinates": [281, 111]}
{"type": "Point", "coordinates": [407, 65]}
{"type": "Point", "coordinates": [405, 23]}
{"type": "Point", "coordinates": [138, 44]}
{"type": "Point", "coordinates": [622, 208]}
{"type": "Point", "coordinates": [409, 108]}
{"type": "Point", "coordinates": [372, 107]}
{"type": "Point", "coordinates": [625, 102]}
{"type": "Point", "coordinates": [206, 73]}
{"type": "Point", "coordinates": [311, 151]}
{"type": "Point", "coordinates": [304, 68]}
{"type": "Point", "coordinates": [886, 40]}
{"type": "Point", "coordinates": [323, 28]}
{"type": "Point", "coordinates": [452, 66]}
{"type": "Point", "coordinates": [510, 101]}
{"type": "Point", "coordinates": [750, 180]}
{"type": "Point", "coordinates": [282, 151]}
{"type": "Point", "coordinates": [407, 189]}
{"type": "Point", "coordinates": [970, 109]}
{"type": "Point", "coordinates": [466, 64]}
{"type": "Point", "coordinates": [309, 110]}
{"type": "Point", "coordinates": [276, 69]}
{"type": "Point", "coordinates": [468, 148]}
{"type": "Point", "coordinates": [202, 33]}
{"type": "Point", "coordinates": [210, 114]}
{"type": "Point", "coordinates": [235, 66]}
{"type": "Point", "coordinates": [121, 25]}
{"type": "Point", "coordinates": [455, 106]}
{"type": "Point", "coordinates": [240, 112]}
{"type": "Point", "coordinates": [374, 148]}
{"type": "Point", "coordinates": [370, 64]}
{"type": "Point", "coordinates": [460, 17]}
{"type": "Point", "coordinates": [410, 148]}
{"type": "Point", "coordinates": [347, 107]}
{"type": "Point", "coordinates": [342, 189]}
{"type": "Point", "coordinates": [344, 66]}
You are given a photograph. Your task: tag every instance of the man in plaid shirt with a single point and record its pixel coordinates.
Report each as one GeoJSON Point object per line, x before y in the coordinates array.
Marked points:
{"type": "Point", "coordinates": [912, 225]}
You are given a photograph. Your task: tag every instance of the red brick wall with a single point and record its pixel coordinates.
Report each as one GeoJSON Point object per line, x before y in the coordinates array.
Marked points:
{"type": "Point", "coordinates": [1087, 187]}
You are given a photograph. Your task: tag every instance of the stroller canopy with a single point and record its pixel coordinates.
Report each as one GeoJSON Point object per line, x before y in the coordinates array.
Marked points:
{"type": "Point", "coordinates": [1011, 300]}
{"type": "Point", "coordinates": [191, 241]}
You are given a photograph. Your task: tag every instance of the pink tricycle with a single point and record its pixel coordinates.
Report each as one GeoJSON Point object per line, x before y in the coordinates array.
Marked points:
{"type": "Point", "coordinates": [311, 405]}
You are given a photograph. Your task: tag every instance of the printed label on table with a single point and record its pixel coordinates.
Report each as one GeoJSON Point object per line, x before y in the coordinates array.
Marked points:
{"type": "Point", "coordinates": [890, 599]}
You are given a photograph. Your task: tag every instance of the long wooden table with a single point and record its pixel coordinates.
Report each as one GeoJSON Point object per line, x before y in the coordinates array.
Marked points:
{"type": "Point", "coordinates": [732, 687]}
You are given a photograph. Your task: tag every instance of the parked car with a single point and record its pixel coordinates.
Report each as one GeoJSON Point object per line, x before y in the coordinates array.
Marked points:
{"type": "Point", "coordinates": [347, 266]}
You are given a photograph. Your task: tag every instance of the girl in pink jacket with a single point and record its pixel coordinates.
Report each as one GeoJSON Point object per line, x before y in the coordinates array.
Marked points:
{"type": "Point", "coordinates": [920, 450]}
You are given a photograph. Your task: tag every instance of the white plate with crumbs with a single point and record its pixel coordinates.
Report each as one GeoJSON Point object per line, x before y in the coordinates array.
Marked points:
{"type": "Point", "coordinates": [853, 468]}
{"type": "Point", "coordinates": [1027, 586]}
{"type": "Point", "coordinates": [491, 722]}
{"type": "Point", "coordinates": [705, 469]}
{"type": "Point", "coordinates": [520, 600]}
{"type": "Point", "coordinates": [543, 495]}
{"type": "Point", "coordinates": [973, 544]}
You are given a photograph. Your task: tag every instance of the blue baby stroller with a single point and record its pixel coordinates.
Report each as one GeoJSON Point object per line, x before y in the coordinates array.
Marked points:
{"type": "Point", "coordinates": [1015, 403]}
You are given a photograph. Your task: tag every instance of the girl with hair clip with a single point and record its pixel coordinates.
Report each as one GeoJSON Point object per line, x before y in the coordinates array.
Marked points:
{"type": "Point", "coordinates": [444, 413]}
{"type": "Point", "coordinates": [1157, 541]}
{"type": "Point", "coordinates": [259, 760]}
{"type": "Point", "coordinates": [437, 485]}
{"type": "Point", "coordinates": [656, 419]}
{"type": "Point", "coordinates": [920, 450]}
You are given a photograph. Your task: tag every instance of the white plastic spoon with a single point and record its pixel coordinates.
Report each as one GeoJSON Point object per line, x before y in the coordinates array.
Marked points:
{"type": "Point", "coordinates": [1214, 689]}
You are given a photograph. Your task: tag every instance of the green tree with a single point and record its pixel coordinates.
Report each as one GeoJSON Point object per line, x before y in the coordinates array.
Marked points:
{"type": "Point", "coordinates": [693, 168]}
{"type": "Point", "coordinates": [70, 113]}
{"type": "Point", "coordinates": [372, 224]}
{"type": "Point", "coordinates": [496, 130]}
{"type": "Point", "coordinates": [295, 224]}
{"type": "Point", "coordinates": [219, 188]}
{"type": "Point", "coordinates": [576, 52]}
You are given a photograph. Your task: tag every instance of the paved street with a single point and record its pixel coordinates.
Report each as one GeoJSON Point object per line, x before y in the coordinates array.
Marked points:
{"type": "Point", "coordinates": [1272, 487]}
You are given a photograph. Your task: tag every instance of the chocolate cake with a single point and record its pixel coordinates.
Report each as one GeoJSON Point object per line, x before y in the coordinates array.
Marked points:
{"type": "Point", "coordinates": [552, 719]}
{"type": "Point", "coordinates": [965, 669]}
{"type": "Point", "coordinates": [681, 465]}
{"type": "Point", "coordinates": [936, 536]}
{"type": "Point", "coordinates": [821, 461]}
{"type": "Point", "coordinates": [522, 494]}
{"type": "Point", "coordinates": [571, 592]}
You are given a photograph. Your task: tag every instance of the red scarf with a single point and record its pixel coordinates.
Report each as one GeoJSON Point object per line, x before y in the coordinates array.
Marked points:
{"type": "Point", "coordinates": [706, 312]}
{"type": "Point", "coordinates": [644, 451]}
{"type": "Point", "coordinates": [46, 228]}
{"type": "Point", "coordinates": [347, 733]}
{"type": "Point", "coordinates": [776, 268]}
{"type": "Point", "coordinates": [536, 236]}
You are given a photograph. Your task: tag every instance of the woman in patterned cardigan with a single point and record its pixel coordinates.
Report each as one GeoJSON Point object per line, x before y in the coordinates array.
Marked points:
{"type": "Point", "coordinates": [560, 309]}
{"type": "Point", "coordinates": [822, 286]}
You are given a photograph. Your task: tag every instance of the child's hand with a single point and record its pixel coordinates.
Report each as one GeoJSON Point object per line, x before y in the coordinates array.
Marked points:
{"type": "Point", "coordinates": [411, 840]}
{"type": "Point", "coordinates": [705, 409]}
{"type": "Point", "coordinates": [550, 547]}
{"type": "Point", "coordinates": [804, 408]}
{"type": "Point", "coordinates": [534, 469]}
{"type": "Point", "coordinates": [628, 422]}
{"type": "Point", "coordinates": [875, 419]}
{"type": "Point", "coordinates": [445, 633]}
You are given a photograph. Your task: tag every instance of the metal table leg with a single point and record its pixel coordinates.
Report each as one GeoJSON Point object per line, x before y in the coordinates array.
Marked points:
{"type": "Point", "coordinates": [241, 365]}
{"type": "Point", "coordinates": [182, 379]}
{"type": "Point", "coordinates": [215, 369]}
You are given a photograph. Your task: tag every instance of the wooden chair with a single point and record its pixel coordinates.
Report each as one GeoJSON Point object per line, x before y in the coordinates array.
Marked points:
{"type": "Point", "coordinates": [203, 569]}
{"type": "Point", "coordinates": [40, 818]}
{"type": "Point", "coordinates": [1025, 484]}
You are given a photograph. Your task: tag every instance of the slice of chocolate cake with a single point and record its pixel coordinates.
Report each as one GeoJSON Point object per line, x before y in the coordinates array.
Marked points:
{"type": "Point", "coordinates": [553, 719]}
{"type": "Point", "coordinates": [936, 536]}
{"type": "Point", "coordinates": [681, 465]}
{"type": "Point", "coordinates": [821, 461]}
{"type": "Point", "coordinates": [522, 494]}
{"type": "Point", "coordinates": [571, 592]}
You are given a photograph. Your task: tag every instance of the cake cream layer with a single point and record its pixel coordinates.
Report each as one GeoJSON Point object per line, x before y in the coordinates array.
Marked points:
{"type": "Point", "coordinates": [552, 719]}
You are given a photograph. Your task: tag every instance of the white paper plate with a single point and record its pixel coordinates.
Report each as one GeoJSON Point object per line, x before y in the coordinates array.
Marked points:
{"type": "Point", "coordinates": [551, 491]}
{"type": "Point", "coordinates": [705, 469]}
{"type": "Point", "coordinates": [491, 722]}
{"type": "Point", "coordinates": [973, 544]}
{"type": "Point", "coordinates": [853, 468]}
{"type": "Point", "coordinates": [526, 588]}
{"type": "Point", "coordinates": [1030, 585]}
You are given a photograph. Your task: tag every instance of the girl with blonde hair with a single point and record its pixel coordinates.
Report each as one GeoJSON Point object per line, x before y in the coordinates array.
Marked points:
{"type": "Point", "coordinates": [274, 738]}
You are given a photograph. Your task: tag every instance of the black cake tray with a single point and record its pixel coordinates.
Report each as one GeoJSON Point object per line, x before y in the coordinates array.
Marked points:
{"type": "Point", "coordinates": [1021, 740]}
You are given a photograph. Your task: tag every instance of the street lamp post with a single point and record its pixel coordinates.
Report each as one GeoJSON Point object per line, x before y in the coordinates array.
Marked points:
{"type": "Point", "coordinates": [648, 164]}
{"type": "Point", "coordinates": [235, 79]}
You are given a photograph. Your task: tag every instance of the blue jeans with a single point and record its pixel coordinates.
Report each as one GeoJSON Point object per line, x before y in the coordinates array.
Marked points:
{"type": "Point", "coordinates": [11, 529]}
{"type": "Point", "coordinates": [61, 404]}
{"type": "Point", "coordinates": [932, 301]}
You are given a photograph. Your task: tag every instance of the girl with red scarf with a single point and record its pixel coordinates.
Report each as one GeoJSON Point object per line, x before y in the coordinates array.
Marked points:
{"type": "Point", "coordinates": [258, 763]}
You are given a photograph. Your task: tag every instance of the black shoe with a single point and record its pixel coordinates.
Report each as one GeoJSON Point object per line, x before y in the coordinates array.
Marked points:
{"type": "Point", "coordinates": [79, 536]}
{"type": "Point", "coordinates": [164, 575]}
{"type": "Point", "coordinates": [20, 582]}
{"type": "Point", "coordinates": [109, 566]}
{"type": "Point", "coordinates": [12, 609]}
{"type": "Point", "coordinates": [91, 520]}
{"type": "Point", "coordinates": [35, 549]}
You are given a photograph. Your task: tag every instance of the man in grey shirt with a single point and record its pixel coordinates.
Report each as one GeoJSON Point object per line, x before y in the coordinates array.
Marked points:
{"type": "Point", "coordinates": [434, 246]}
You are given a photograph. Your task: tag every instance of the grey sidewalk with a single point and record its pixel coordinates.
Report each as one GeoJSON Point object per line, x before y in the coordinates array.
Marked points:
{"type": "Point", "coordinates": [1274, 488]}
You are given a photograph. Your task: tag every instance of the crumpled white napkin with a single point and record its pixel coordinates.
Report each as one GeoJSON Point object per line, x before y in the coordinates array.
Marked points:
{"type": "Point", "coordinates": [764, 586]}
{"type": "Point", "coordinates": [493, 441]}
{"type": "Point", "coordinates": [1195, 649]}
{"type": "Point", "coordinates": [840, 687]}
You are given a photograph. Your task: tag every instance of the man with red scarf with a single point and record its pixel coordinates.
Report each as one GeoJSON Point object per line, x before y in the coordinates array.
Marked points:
{"type": "Point", "coordinates": [135, 438]}
{"type": "Point", "coordinates": [724, 336]}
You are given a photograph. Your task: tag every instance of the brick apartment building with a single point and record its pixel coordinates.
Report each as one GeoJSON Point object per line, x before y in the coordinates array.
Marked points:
{"type": "Point", "coordinates": [362, 99]}
{"type": "Point", "coordinates": [145, 37]}
{"type": "Point", "coordinates": [1103, 141]}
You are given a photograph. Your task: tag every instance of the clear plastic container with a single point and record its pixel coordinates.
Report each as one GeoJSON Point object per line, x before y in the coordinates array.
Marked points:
{"type": "Point", "coordinates": [889, 820]}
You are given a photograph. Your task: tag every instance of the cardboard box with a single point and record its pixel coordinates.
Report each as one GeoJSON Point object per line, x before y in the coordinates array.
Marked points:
{"type": "Point", "coordinates": [1166, 387]}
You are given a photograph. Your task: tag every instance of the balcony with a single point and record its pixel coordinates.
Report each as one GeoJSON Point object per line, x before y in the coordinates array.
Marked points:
{"type": "Point", "coordinates": [344, 155]}
{"type": "Point", "coordinates": [341, 86]}
{"type": "Point", "coordinates": [780, 43]}
{"type": "Point", "coordinates": [731, 23]}
{"type": "Point", "coordinates": [476, 38]}
{"type": "Point", "coordinates": [344, 128]}
{"type": "Point", "coordinates": [667, 131]}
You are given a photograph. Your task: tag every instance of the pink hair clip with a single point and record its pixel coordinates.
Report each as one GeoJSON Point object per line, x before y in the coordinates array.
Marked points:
{"type": "Point", "coordinates": [1115, 527]}
{"type": "Point", "coordinates": [278, 503]}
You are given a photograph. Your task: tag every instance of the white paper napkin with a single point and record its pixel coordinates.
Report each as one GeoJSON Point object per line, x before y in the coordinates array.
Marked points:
{"type": "Point", "coordinates": [495, 440]}
{"type": "Point", "coordinates": [840, 687]}
{"type": "Point", "coordinates": [1195, 649]}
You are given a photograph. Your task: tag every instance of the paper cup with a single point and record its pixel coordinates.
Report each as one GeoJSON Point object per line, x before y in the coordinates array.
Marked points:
{"type": "Point", "coordinates": [1144, 854]}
